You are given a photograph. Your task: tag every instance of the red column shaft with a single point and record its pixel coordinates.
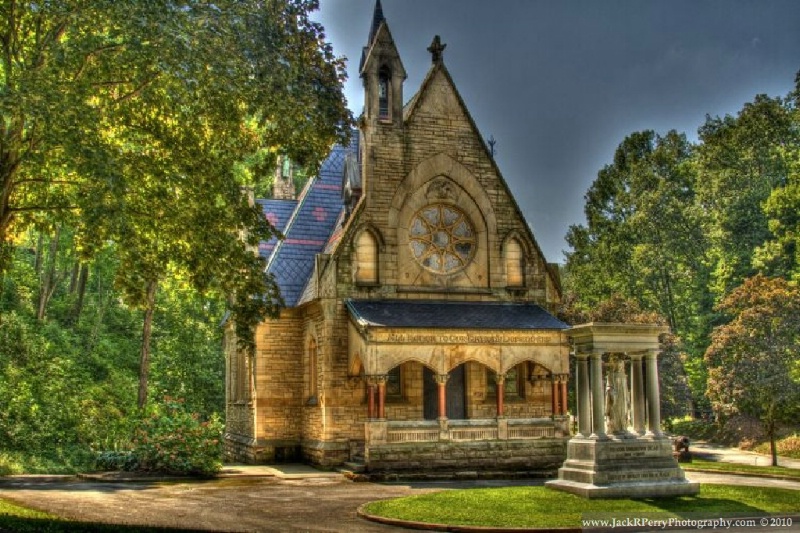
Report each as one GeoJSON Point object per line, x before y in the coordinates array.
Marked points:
{"type": "Point", "coordinates": [564, 396]}
{"type": "Point", "coordinates": [442, 399]}
{"type": "Point", "coordinates": [501, 396]}
{"type": "Point", "coordinates": [370, 400]}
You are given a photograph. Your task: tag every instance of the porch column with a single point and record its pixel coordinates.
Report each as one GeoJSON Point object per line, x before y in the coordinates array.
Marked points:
{"type": "Point", "coordinates": [500, 379]}
{"type": "Point", "coordinates": [381, 397]}
{"type": "Point", "coordinates": [637, 394]}
{"type": "Point", "coordinates": [564, 379]}
{"type": "Point", "coordinates": [554, 395]}
{"type": "Point", "coordinates": [653, 396]}
{"type": "Point", "coordinates": [370, 397]}
{"type": "Point", "coordinates": [441, 382]}
{"type": "Point", "coordinates": [598, 416]}
{"type": "Point", "coordinates": [584, 421]}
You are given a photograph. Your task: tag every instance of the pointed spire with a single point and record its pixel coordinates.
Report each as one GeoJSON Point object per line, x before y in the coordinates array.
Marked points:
{"type": "Point", "coordinates": [377, 18]}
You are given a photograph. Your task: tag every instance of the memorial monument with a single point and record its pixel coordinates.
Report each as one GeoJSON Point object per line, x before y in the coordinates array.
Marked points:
{"type": "Point", "coordinates": [619, 450]}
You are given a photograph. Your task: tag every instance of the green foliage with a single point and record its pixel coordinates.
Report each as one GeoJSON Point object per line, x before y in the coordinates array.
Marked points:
{"type": "Point", "coordinates": [68, 382]}
{"type": "Point", "coordinates": [676, 227]}
{"type": "Point", "coordinates": [752, 358]}
{"type": "Point", "coordinates": [117, 460]}
{"type": "Point", "coordinates": [694, 429]}
{"type": "Point", "coordinates": [787, 447]}
{"type": "Point", "coordinates": [171, 439]}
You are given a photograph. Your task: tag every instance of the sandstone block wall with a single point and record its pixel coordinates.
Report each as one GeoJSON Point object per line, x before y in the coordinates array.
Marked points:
{"type": "Point", "coordinates": [543, 454]}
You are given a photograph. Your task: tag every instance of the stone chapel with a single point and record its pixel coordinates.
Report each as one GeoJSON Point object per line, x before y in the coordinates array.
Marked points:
{"type": "Point", "coordinates": [417, 331]}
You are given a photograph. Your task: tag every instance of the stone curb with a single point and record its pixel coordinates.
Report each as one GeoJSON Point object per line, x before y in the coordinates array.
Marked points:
{"type": "Point", "coordinates": [428, 526]}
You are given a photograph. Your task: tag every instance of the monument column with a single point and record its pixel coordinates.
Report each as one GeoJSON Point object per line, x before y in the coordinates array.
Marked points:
{"type": "Point", "coordinates": [500, 380]}
{"type": "Point", "coordinates": [598, 416]}
{"type": "Point", "coordinates": [653, 395]}
{"type": "Point", "coordinates": [441, 382]}
{"type": "Point", "coordinates": [584, 421]}
{"type": "Point", "coordinates": [637, 394]}
{"type": "Point", "coordinates": [381, 397]}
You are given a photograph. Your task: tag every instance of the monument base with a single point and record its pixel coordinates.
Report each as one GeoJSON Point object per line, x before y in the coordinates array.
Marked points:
{"type": "Point", "coordinates": [622, 466]}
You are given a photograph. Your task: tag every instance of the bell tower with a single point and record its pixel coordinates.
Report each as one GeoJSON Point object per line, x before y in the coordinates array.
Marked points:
{"type": "Point", "coordinates": [382, 74]}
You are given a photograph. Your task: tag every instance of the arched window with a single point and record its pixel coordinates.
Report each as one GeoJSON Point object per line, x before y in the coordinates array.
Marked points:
{"type": "Point", "coordinates": [312, 371]}
{"type": "Point", "coordinates": [384, 77]}
{"type": "Point", "coordinates": [366, 258]}
{"type": "Point", "coordinates": [515, 264]}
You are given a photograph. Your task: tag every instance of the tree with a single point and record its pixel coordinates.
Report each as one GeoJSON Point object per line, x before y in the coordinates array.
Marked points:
{"type": "Point", "coordinates": [133, 119]}
{"type": "Point", "coordinates": [740, 161]}
{"type": "Point", "coordinates": [753, 359]}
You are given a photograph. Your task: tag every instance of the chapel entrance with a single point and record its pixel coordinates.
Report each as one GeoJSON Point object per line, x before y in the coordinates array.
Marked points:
{"type": "Point", "coordinates": [455, 393]}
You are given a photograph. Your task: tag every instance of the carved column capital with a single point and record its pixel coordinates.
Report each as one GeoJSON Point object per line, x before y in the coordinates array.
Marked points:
{"type": "Point", "coordinates": [377, 379]}
{"type": "Point", "coordinates": [441, 379]}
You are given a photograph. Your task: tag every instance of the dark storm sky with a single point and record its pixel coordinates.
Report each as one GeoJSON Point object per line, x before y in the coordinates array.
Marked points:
{"type": "Point", "coordinates": [560, 83]}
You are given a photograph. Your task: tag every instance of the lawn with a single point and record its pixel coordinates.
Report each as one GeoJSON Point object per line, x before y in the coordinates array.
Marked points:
{"type": "Point", "coordinates": [543, 507]}
{"type": "Point", "coordinates": [737, 468]}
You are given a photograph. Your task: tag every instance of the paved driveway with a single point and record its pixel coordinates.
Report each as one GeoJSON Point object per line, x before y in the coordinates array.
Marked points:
{"type": "Point", "coordinates": [285, 504]}
{"type": "Point", "coordinates": [234, 504]}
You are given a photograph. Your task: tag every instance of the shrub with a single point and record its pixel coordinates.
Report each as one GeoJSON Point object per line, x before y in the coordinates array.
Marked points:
{"type": "Point", "coordinates": [174, 441]}
{"type": "Point", "coordinates": [117, 460]}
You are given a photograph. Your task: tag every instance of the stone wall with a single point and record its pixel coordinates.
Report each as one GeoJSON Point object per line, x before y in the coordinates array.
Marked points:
{"type": "Point", "coordinates": [279, 378]}
{"type": "Point", "coordinates": [545, 455]}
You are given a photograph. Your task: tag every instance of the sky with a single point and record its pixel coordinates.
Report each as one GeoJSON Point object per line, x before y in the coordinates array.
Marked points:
{"type": "Point", "coordinates": [560, 83]}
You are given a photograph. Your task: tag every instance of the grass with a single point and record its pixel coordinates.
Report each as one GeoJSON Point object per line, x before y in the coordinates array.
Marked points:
{"type": "Point", "coordinates": [20, 519]}
{"type": "Point", "coordinates": [542, 507]}
{"type": "Point", "coordinates": [737, 468]}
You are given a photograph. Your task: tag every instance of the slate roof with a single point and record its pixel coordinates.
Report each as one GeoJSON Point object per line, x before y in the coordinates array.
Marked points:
{"type": "Point", "coordinates": [278, 212]}
{"type": "Point", "coordinates": [458, 315]}
{"type": "Point", "coordinates": [309, 227]}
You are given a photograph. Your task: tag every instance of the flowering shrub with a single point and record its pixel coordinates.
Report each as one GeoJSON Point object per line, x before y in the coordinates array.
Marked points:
{"type": "Point", "coordinates": [172, 440]}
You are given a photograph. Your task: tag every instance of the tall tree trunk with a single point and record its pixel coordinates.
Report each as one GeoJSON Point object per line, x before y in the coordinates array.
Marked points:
{"type": "Point", "coordinates": [48, 280]}
{"type": "Point", "coordinates": [773, 446]}
{"type": "Point", "coordinates": [83, 276]}
{"type": "Point", "coordinates": [37, 265]}
{"type": "Point", "coordinates": [73, 279]}
{"type": "Point", "coordinates": [144, 360]}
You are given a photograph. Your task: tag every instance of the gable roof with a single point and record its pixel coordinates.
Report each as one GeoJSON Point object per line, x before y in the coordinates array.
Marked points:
{"type": "Point", "coordinates": [278, 213]}
{"type": "Point", "coordinates": [309, 227]}
{"type": "Point", "coordinates": [410, 109]}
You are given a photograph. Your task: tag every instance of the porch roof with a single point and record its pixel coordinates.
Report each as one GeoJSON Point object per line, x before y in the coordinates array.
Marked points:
{"type": "Point", "coordinates": [456, 315]}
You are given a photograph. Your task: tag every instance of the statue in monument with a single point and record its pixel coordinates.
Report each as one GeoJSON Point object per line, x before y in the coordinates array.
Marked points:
{"type": "Point", "coordinates": [616, 398]}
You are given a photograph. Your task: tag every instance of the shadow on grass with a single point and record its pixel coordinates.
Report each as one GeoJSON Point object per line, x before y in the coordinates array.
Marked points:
{"type": "Point", "coordinates": [56, 525]}
{"type": "Point", "coordinates": [694, 507]}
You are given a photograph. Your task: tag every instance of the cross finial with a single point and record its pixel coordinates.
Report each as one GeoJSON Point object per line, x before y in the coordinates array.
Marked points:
{"type": "Point", "coordinates": [436, 48]}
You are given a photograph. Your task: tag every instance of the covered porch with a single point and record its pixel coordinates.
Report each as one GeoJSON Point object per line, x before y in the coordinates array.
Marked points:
{"type": "Point", "coordinates": [465, 384]}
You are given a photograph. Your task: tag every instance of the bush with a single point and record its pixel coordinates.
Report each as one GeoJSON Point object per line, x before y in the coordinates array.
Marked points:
{"type": "Point", "coordinates": [114, 460]}
{"type": "Point", "coordinates": [174, 441]}
{"type": "Point", "coordinates": [788, 446]}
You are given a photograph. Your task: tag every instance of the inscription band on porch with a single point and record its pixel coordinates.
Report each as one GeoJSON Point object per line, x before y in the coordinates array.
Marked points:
{"type": "Point", "coordinates": [463, 338]}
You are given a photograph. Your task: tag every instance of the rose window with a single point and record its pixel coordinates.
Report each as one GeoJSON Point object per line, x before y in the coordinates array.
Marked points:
{"type": "Point", "coordinates": [442, 239]}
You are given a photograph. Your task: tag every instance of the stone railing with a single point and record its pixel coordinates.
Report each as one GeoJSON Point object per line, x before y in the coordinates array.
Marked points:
{"type": "Point", "coordinates": [397, 432]}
